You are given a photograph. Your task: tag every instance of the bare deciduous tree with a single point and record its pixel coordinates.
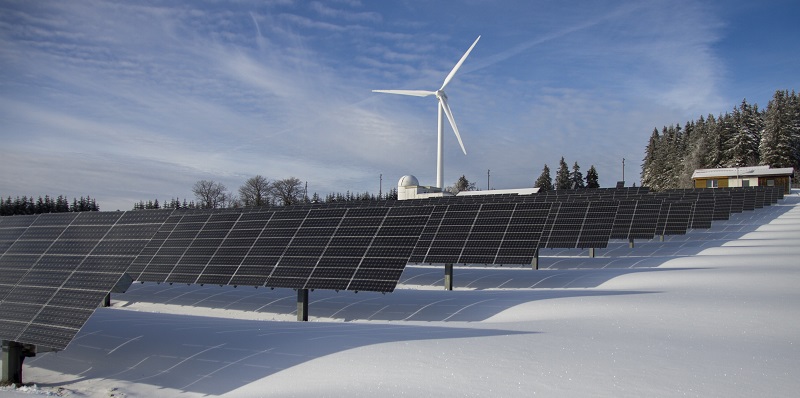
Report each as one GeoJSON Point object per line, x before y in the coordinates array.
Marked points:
{"type": "Point", "coordinates": [288, 191]}
{"type": "Point", "coordinates": [210, 194]}
{"type": "Point", "coordinates": [255, 191]}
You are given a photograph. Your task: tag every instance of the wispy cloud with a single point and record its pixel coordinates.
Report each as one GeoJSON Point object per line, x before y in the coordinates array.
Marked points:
{"type": "Point", "coordinates": [162, 95]}
{"type": "Point", "coordinates": [347, 15]}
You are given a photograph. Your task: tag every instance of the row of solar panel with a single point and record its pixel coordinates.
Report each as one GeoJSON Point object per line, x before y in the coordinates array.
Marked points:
{"type": "Point", "coordinates": [59, 266]}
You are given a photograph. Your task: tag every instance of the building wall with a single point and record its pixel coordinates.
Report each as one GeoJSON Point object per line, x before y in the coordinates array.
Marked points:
{"type": "Point", "coordinates": [725, 182]}
{"type": "Point", "coordinates": [781, 181]}
{"type": "Point", "coordinates": [740, 182]}
{"type": "Point", "coordinates": [722, 182]}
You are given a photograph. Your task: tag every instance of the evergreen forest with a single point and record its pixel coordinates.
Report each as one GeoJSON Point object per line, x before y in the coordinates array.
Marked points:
{"type": "Point", "coordinates": [27, 205]}
{"type": "Point", "coordinates": [746, 136]}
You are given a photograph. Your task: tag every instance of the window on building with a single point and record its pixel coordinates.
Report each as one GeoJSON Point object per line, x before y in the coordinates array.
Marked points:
{"type": "Point", "coordinates": [770, 183]}
{"type": "Point", "coordinates": [712, 183]}
{"type": "Point", "coordinates": [745, 183]}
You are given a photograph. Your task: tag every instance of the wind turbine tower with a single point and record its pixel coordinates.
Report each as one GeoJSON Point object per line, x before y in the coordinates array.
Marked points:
{"type": "Point", "coordinates": [443, 108]}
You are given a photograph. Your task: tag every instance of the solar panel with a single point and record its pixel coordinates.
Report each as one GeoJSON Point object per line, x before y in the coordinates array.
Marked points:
{"type": "Point", "coordinates": [636, 219]}
{"type": "Point", "coordinates": [760, 199]}
{"type": "Point", "coordinates": [498, 231]}
{"type": "Point", "coordinates": [674, 218]}
{"type": "Point", "coordinates": [358, 248]}
{"type": "Point", "coordinates": [624, 219]}
{"type": "Point", "coordinates": [60, 268]}
{"type": "Point", "coordinates": [749, 202]}
{"type": "Point", "coordinates": [737, 200]}
{"type": "Point", "coordinates": [579, 225]}
{"type": "Point", "coordinates": [702, 214]}
{"type": "Point", "coordinates": [722, 206]}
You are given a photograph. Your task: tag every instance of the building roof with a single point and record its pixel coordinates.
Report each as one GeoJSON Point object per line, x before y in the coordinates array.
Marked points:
{"type": "Point", "coordinates": [742, 172]}
{"type": "Point", "coordinates": [518, 191]}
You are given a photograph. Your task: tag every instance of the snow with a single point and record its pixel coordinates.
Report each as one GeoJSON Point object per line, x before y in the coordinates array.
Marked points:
{"type": "Point", "coordinates": [711, 313]}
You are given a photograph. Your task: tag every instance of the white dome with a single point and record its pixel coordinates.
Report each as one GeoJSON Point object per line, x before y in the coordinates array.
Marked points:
{"type": "Point", "coordinates": [408, 181]}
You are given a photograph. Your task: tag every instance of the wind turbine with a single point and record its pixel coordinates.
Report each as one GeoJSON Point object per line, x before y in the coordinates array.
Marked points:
{"type": "Point", "coordinates": [443, 108]}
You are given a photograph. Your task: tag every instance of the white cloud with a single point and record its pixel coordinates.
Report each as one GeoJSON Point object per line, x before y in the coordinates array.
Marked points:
{"type": "Point", "coordinates": [283, 89]}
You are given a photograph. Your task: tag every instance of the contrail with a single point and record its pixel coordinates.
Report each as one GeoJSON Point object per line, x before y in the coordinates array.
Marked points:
{"type": "Point", "coordinates": [522, 47]}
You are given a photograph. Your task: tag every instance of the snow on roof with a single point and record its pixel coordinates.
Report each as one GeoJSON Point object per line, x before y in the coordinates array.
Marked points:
{"type": "Point", "coordinates": [518, 191]}
{"type": "Point", "coordinates": [751, 171]}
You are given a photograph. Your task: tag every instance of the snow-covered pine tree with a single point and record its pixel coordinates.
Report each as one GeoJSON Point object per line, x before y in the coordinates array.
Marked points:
{"type": "Point", "coordinates": [794, 116]}
{"type": "Point", "coordinates": [711, 144]}
{"type": "Point", "coordinates": [649, 163]}
{"type": "Point", "coordinates": [664, 163]}
{"type": "Point", "coordinates": [726, 125]}
{"type": "Point", "coordinates": [750, 126]}
{"type": "Point", "coordinates": [776, 147]}
{"type": "Point", "coordinates": [686, 167]}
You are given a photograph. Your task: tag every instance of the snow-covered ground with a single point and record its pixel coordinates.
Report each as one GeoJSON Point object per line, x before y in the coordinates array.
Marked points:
{"type": "Point", "coordinates": [711, 313]}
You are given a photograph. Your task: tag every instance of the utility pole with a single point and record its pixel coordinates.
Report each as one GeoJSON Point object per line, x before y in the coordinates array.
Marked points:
{"type": "Point", "coordinates": [623, 170]}
{"type": "Point", "coordinates": [487, 179]}
{"type": "Point", "coordinates": [380, 186]}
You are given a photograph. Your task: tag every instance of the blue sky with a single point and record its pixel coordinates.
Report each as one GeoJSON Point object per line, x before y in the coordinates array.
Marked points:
{"type": "Point", "coordinates": [128, 101]}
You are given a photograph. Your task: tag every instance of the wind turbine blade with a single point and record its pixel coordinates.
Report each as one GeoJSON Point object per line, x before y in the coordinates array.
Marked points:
{"type": "Point", "coordinates": [416, 93]}
{"type": "Point", "coordinates": [458, 65]}
{"type": "Point", "coordinates": [449, 113]}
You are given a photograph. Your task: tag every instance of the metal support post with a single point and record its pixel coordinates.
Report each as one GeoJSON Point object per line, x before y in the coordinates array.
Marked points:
{"type": "Point", "coordinates": [302, 305]}
{"type": "Point", "coordinates": [662, 238]}
{"type": "Point", "coordinates": [591, 252]}
{"type": "Point", "coordinates": [448, 277]}
{"type": "Point", "coordinates": [630, 243]}
{"type": "Point", "coordinates": [107, 300]}
{"type": "Point", "coordinates": [14, 354]}
{"type": "Point", "coordinates": [535, 261]}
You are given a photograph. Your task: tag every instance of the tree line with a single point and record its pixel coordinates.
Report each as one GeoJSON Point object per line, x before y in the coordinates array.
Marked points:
{"type": "Point", "coordinates": [257, 191]}
{"type": "Point", "coordinates": [27, 205]}
{"type": "Point", "coordinates": [747, 136]}
{"type": "Point", "coordinates": [566, 179]}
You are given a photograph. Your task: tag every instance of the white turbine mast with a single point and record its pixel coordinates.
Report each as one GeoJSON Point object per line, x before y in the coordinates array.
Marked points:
{"type": "Point", "coordinates": [443, 107]}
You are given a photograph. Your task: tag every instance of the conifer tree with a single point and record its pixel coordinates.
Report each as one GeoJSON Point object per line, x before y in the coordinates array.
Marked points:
{"type": "Point", "coordinates": [742, 145]}
{"type": "Point", "coordinates": [592, 178]}
{"type": "Point", "coordinates": [650, 167]}
{"type": "Point", "coordinates": [563, 180]}
{"type": "Point", "coordinates": [577, 177]}
{"type": "Point", "coordinates": [687, 166]}
{"type": "Point", "coordinates": [544, 182]}
{"type": "Point", "coordinates": [776, 147]}
{"type": "Point", "coordinates": [462, 184]}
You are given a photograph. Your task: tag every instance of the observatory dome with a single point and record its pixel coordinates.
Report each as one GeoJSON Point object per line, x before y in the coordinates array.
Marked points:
{"type": "Point", "coordinates": [408, 181]}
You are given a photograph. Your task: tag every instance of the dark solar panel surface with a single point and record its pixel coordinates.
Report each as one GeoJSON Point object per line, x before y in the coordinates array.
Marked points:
{"type": "Point", "coordinates": [722, 206]}
{"type": "Point", "coordinates": [579, 225]}
{"type": "Point", "coordinates": [503, 232]}
{"type": "Point", "coordinates": [674, 218]}
{"type": "Point", "coordinates": [56, 272]}
{"type": "Point", "coordinates": [636, 219]}
{"type": "Point", "coordinates": [737, 200]}
{"type": "Point", "coordinates": [702, 213]}
{"type": "Point", "coordinates": [339, 248]}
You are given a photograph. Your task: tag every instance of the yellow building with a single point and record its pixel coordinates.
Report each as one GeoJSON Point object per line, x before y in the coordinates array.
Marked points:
{"type": "Point", "coordinates": [753, 176]}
